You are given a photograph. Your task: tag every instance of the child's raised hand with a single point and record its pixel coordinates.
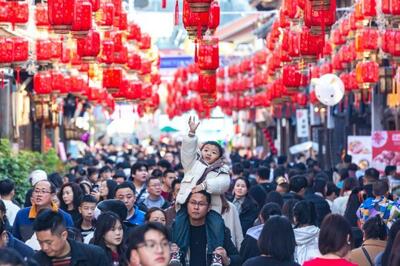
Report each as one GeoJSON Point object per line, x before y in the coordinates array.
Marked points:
{"type": "Point", "coordinates": [193, 125]}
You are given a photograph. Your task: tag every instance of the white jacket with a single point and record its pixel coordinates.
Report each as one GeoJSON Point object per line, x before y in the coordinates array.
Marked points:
{"type": "Point", "coordinates": [306, 243]}
{"type": "Point", "coordinates": [217, 182]}
{"type": "Point", "coordinates": [340, 204]}
{"type": "Point", "coordinates": [232, 221]}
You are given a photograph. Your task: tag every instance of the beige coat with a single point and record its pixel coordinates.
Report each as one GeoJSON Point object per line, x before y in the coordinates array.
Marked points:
{"type": "Point", "coordinates": [373, 247]}
{"type": "Point", "coordinates": [217, 182]}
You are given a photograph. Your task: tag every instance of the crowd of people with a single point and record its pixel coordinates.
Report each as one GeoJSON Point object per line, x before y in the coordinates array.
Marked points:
{"type": "Point", "coordinates": [188, 204]}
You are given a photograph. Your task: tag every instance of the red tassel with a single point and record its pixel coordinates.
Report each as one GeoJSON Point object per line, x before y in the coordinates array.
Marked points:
{"type": "Point", "coordinates": [176, 22]}
{"type": "Point", "coordinates": [164, 4]}
{"type": "Point", "coordinates": [195, 51]}
{"type": "Point", "coordinates": [2, 79]}
{"type": "Point", "coordinates": [18, 77]}
{"type": "Point", "coordinates": [199, 31]}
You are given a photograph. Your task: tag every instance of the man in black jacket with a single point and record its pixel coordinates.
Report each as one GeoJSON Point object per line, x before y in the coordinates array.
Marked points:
{"type": "Point", "coordinates": [51, 233]}
{"type": "Point", "coordinates": [200, 232]}
{"type": "Point", "coordinates": [318, 198]}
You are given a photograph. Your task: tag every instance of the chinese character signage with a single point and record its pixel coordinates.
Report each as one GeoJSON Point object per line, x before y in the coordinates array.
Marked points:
{"type": "Point", "coordinates": [302, 123]}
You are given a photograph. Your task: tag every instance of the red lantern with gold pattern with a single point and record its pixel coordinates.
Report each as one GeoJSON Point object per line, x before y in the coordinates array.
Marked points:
{"type": "Point", "coordinates": [60, 14]}
{"type": "Point", "coordinates": [43, 50]}
{"type": "Point", "coordinates": [6, 51]}
{"type": "Point", "coordinates": [121, 21]}
{"type": "Point", "coordinates": [319, 17]}
{"type": "Point", "coordinates": [134, 61]}
{"type": "Point", "coordinates": [145, 67]}
{"type": "Point", "coordinates": [134, 32]}
{"type": "Point", "coordinates": [214, 16]}
{"type": "Point", "coordinates": [367, 72]}
{"type": "Point", "coordinates": [291, 76]}
{"type": "Point", "coordinates": [105, 19]}
{"type": "Point", "coordinates": [82, 20]}
{"type": "Point", "coordinates": [121, 56]}
{"type": "Point", "coordinates": [207, 87]}
{"type": "Point", "coordinates": [311, 45]}
{"type": "Point", "coordinates": [21, 49]}
{"type": "Point", "coordinates": [42, 83]}
{"type": "Point", "coordinates": [41, 16]}
{"type": "Point", "coordinates": [56, 47]}
{"type": "Point", "coordinates": [107, 54]}
{"type": "Point", "coordinates": [88, 48]}
{"type": "Point", "coordinates": [195, 23]}
{"type": "Point", "coordinates": [145, 42]}
{"type": "Point", "coordinates": [208, 54]}
{"type": "Point", "coordinates": [368, 8]}
{"type": "Point", "coordinates": [367, 40]}
{"type": "Point", "coordinates": [112, 78]}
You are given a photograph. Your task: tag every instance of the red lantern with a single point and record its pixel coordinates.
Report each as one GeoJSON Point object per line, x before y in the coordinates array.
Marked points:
{"type": "Point", "coordinates": [134, 32]}
{"type": "Point", "coordinates": [145, 67]}
{"type": "Point", "coordinates": [107, 55]}
{"type": "Point", "coordinates": [60, 14]}
{"type": "Point", "coordinates": [301, 99]}
{"type": "Point", "coordinates": [367, 40]}
{"type": "Point", "coordinates": [43, 50]}
{"type": "Point", "coordinates": [117, 7]}
{"type": "Point", "coordinates": [311, 45]}
{"type": "Point", "coordinates": [367, 72]}
{"type": "Point", "coordinates": [112, 78]}
{"type": "Point", "coordinates": [41, 16]}
{"type": "Point", "coordinates": [89, 47]}
{"type": "Point", "coordinates": [337, 37]}
{"type": "Point", "coordinates": [294, 44]}
{"type": "Point", "coordinates": [145, 42]}
{"type": "Point", "coordinates": [42, 83]}
{"type": "Point", "coordinates": [207, 87]}
{"type": "Point", "coordinates": [195, 23]}
{"type": "Point", "coordinates": [121, 21]}
{"type": "Point", "coordinates": [291, 77]}
{"type": "Point", "coordinates": [213, 21]}
{"type": "Point", "coordinates": [6, 51]}
{"type": "Point", "coordinates": [121, 56]}
{"type": "Point", "coordinates": [57, 81]}
{"type": "Point", "coordinates": [21, 49]}
{"type": "Point", "coordinates": [82, 20]}
{"type": "Point", "coordinates": [18, 12]}
{"type": "Point", "coordinates": [368, 8]}
{"type": "Point", "coordinates": [56, 47]}
{"type": "Point", "coordinates": [390, 41]}
{"type": "Point", "coordinates": [208, 54]}
{"type": "Point", "coordinates": [320, 17]}
{"type": "Point", "coordinates": [105, 18]}
{"type": "Point", "coordinates": [199, 5]}
{"type": "Point", "coordinates": [134, 61]}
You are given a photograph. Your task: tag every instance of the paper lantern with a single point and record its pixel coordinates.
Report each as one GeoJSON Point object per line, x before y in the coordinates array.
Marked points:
{"type": "Point", "coordinates": [329, 89]}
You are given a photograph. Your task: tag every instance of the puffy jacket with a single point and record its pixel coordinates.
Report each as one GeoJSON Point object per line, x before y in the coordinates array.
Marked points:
{"type": "Point", "coordinates": [306, 243]}
{"type": "Point", "coordinates": [217, 182]}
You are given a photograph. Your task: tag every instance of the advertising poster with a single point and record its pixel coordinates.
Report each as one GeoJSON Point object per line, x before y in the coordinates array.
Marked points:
{"type": "Point", "coordinates": [360, 148]}
{"type": "Point", "coordinates": [385, 149]}
{"type": "Point", "coordinates": [302, 123]}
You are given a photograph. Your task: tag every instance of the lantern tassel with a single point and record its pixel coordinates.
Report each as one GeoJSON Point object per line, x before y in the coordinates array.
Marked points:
{"type": "Point", "coordinates": [2, 79]}
{"type": "Point", "coordinates": [164, 4]}
{"type": "Point", "coordinates": [195, 51]}
{"type": "Point", "coordinates": [176, 22]}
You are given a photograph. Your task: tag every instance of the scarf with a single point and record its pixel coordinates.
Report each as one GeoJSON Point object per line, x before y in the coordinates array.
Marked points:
{"type": "Point", "coordinates": [216, 165]}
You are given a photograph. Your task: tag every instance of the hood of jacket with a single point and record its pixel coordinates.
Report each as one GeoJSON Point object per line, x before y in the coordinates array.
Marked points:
{"type": "Point", "coordinates": [255, 231]}
{"type": "Point", "coordinates": [305, 235]}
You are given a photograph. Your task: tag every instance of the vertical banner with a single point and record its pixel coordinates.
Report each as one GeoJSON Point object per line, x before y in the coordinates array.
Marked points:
{"type": "Point", "coordinates": [360, 148]}
{"type": "Point", "coordinates": [302, 123]}
{"type": "Point", "coordinates": [386, 149]}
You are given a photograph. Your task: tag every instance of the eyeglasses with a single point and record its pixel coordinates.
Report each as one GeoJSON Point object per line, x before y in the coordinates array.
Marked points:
{"type": "Point", "coordinates": [38, 191]}
{"type": "Point", "coordinates": [152, 245]}
{"type": "Point", "coordinates": [199, 204]}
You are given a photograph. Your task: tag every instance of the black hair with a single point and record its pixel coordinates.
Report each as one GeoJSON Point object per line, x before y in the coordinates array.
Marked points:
{"type": "Point", "coordinates": [164, 163]}
{"type": "Point", "coordinates": [375, 228]}
{"type": "Point", "coordinates": [115, 206]}
{"type": "Point", "coordinates": [105, 169]}
{"type": "Point", "coordinates": [270, 209]}
{"type": "Point", "coordinates": [138, 166]}
{"type": "Point", "coordinates": [203, 192]}
{"type": "Point", "coordinates": [275, 197]}
{"type": "Point", "coordinates": [112, 188]}
{"type": "Point", "coordinates": [297, 183]}
{"type": "Point", "coordinates": [125, 184]}
{"type": "Point", "coordinates": [279, 246]}
{"type": "Point", "coordinates": [263, 172]}
{"type": "Point", "coordinates": [380, 188]}
{"type": "Point", "coordinates": [319, 185]}
{"type": "Point", "coordinates": [282, 159]}
{"type": "Point", "coordinates": [347, 158]}
{"type": "Point", "coordinates": [137, 234]}
{"type": "Point", "coordinates": [92, 170]}
{"type": "Point", "coordinates": [350, 183]}
{"type": "Point", "coordinates": [118, 174]}
{"type": "Point", "coordinates": [237, 168]}
{"type": "Point", "coordinates": [49, 220]}
{"type": "Point", "coordinates": [335, 235]}
{"type": "Point", "coordinates": [151, 210]}
{"type": "Point", "coordinates": [304, 213]}
{"type": "Point", "coordinates": [56, 179]}
{"type": "Point", "coordinates": [88, 198]}
{"type": "Point", "coordinates": [77, 196]}
{"type": "Point", "coordinates": [216, 144]}
{"type": "Point", "coordinates": [389, 169]}
{"type": "Point", "coordinates": [287, 209]}
{"type": "Point", "coordinates": [353, 204]}
{"type": "Point", "coordinates": [174, 183]}
{"type": "Point", "coordinates": [332, 189]}
{"type": "Point", "coordinates": [168, 171]}
{"type": "Point", "coordinates": [70, 177]}
{"type": "Point", "coordinates": [156, 173]}
{"type": "Point", "coordinates": [9, 256]}
{"type": "Point", "coordinates": [245, 180]}
{"type": "Point", "coordinates": [353, 167]}
{"type": "Point", "coordinates": [53, 188]}
{"type": "Point", "coordinates": [394, 230]}
{"type": "Point", "coordinates": [372, 173]}
{"type": "Point", "coordinates": [105, 223]}
{"type": "Point", "coordinates": [152, 178]}
{"type": "Point", "coordinates": [6, 187]}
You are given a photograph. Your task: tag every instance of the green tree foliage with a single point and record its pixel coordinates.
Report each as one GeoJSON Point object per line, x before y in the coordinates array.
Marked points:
{"type": "Point", "coordinates": [18, 166]}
